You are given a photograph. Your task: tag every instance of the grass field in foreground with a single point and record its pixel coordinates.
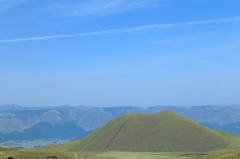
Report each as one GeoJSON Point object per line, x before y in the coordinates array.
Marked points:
{"type": "Point", "coordinates": [37, 154]}
{"type": "Point", "coordinates": [146, 155]}
{"type": "Point", "coordinates": [231, 155]}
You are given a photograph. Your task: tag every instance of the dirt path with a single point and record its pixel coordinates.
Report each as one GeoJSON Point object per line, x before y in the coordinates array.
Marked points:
{"type": "Point", "coordinates": [115, 135]}
{"type": "Point", "coordinates": [75, 155]}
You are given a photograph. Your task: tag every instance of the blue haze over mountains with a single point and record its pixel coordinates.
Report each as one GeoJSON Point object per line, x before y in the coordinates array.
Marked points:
{"type": "Point", "coordinates": [68, 122]}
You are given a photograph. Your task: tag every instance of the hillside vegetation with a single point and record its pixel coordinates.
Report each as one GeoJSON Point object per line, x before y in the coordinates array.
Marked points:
{"type": "Point", "coordinates": [231, 155]}
{"type": "Point", "coordinates": [15, 153]}
{"type": "Point", "coordinates": [159, 132]}
{"type": "Point", "coordinates": [32, 154]}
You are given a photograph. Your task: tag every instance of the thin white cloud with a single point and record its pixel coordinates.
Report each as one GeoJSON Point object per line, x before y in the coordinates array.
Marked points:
{"type": "Point", "coordinates": [124, 30]}
{"type": "Point", "coordinates": [7, 4]}
{"type": "Point", "coordinates": [79, 8]}
{"type": "Point", "coordinates": [96, 7]}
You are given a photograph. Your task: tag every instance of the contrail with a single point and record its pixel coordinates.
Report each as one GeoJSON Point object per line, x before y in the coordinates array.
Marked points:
{"type": "Point", "coordinates": [122, 30]}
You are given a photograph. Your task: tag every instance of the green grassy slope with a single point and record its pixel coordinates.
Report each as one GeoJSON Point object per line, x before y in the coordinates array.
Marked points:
{"type": "Point", "coordinates": [146, 155]}
{"type": "Point", "coordinates": [63, 147]}
{"type": "Point", "coordinates": [230, 155]}
{"type": "Point", "coordinates": [160, 132]}
{"type": "Point", "coordinates": [35, 154]}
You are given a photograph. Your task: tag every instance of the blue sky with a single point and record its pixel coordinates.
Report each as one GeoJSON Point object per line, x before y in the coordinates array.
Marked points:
{"type": "Point", "coordinates": [119, 52]}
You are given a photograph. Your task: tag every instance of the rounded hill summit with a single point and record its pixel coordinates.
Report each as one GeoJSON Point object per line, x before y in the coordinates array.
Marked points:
{"type": "Point", "coordinates": [159, 132]}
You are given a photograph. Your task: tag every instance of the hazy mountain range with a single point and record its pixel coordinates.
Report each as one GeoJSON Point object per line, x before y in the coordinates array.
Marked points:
{"type": "Point", "coordinates": [29, 123]}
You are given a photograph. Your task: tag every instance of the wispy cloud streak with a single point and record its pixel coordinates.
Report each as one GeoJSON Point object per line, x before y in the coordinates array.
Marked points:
{"type": "Point", "coordinates": [124, 30]}
{"type": "Point", "coordinates": [7, 4]}
{"type": "Point", "coordinates": [96, 7]}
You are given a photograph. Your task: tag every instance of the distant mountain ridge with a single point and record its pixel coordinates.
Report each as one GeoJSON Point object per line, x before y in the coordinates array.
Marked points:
{"type": "Point", "coordinates": [14, 118]}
